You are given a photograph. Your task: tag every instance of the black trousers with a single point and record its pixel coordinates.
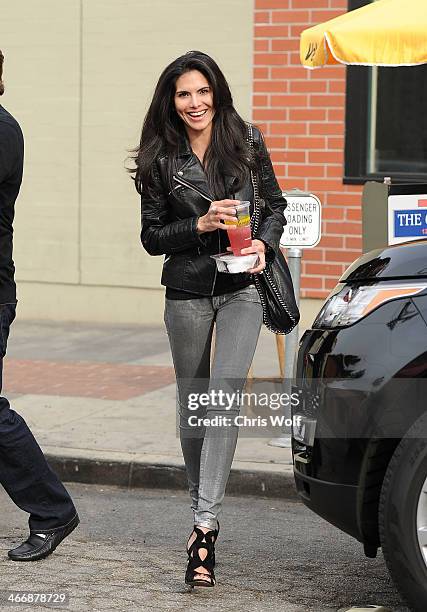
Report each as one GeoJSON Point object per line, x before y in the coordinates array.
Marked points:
{"type": "Point", "coordinates": [24, 472]}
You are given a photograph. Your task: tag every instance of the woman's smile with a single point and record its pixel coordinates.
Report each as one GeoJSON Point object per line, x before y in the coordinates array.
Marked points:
{"type": "Point", "coordinates": [197, 115]}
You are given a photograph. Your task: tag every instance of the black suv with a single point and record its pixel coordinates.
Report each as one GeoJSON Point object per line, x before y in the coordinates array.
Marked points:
{"type": "Point", "coordinates": [360, 444]}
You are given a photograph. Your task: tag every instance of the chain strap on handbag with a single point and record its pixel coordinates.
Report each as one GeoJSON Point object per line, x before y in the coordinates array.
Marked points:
{"type": "Point", "coordinates": [274, 283]}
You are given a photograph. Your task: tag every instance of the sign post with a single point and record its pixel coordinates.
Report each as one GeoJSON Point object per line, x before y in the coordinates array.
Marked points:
{"type": "Point", "coordinates": [303, 215]}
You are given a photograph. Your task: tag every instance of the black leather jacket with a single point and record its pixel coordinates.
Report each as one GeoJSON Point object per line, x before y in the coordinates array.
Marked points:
{"type": "Point", "coordinates": [169, 221]}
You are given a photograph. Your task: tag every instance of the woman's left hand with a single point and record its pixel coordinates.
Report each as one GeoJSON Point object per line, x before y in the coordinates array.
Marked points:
{"type": "Point", "coordinates": [258, 246]}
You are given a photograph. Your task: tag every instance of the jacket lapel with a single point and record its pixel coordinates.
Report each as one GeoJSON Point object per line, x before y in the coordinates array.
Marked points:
{"type": "Point", "coordinates": [229, 181]}
{"type": "Point", "coordinates": [188, 167]}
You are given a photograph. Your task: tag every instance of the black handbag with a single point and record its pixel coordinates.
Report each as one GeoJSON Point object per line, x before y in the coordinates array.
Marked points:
{"type": "Point", "coordinates": [274, 283]}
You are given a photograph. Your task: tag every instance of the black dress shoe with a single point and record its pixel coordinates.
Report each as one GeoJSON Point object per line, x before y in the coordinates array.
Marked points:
{"type": "Point", "coordinates": [40, 544]}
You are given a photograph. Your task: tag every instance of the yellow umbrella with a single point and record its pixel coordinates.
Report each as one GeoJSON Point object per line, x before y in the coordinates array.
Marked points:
{"type": "Point", "coordinates": [383, 33]}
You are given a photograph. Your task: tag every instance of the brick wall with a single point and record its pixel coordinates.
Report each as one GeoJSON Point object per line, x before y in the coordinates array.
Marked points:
{"type": "Point", "coordinates": [301, 113]}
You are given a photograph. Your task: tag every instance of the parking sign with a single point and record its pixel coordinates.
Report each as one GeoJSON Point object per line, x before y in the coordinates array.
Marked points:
{"type": "Point", "coordinates": [303, 217]}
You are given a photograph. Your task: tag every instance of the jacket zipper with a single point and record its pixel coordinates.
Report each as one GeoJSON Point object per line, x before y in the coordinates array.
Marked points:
{"type": "Point", "coordinates": [185, 183]}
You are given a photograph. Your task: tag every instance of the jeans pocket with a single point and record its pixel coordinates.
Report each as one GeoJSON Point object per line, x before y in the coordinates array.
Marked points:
{"type": "Point", "coordinates": [248, 294]}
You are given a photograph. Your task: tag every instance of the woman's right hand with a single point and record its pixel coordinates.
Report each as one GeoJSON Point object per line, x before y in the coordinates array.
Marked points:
{"type": "Point", "coordinates": [221, 210]}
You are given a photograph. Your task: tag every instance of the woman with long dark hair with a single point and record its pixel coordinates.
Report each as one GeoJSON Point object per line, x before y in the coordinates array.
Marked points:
{"type": "Point", "coordinates": [193, 166]}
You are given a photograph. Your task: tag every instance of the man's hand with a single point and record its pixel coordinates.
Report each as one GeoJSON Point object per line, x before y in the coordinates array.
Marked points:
{"type": "Point", "coordinates": [221, 210]}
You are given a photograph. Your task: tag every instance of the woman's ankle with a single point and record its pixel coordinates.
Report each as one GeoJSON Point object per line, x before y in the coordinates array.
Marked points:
{"type": "Point", "coordinates": [205, 528]}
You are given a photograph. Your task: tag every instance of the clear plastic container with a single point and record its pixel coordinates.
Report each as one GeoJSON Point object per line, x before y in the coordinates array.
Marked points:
{"type": "Point", "coordinates": [232, 264]}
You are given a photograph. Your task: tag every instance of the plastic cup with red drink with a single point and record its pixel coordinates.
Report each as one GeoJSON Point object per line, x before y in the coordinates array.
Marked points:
{"type": "Point", "coordinates": [240, 238]}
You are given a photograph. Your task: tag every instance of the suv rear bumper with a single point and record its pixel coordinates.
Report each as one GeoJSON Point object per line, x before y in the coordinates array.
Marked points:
{"type": "Point", "coordinates": [334, 502]}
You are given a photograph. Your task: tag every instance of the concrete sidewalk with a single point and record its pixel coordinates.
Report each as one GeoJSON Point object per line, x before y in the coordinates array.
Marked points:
{"type": "Point", "coordinates": [101, 402]}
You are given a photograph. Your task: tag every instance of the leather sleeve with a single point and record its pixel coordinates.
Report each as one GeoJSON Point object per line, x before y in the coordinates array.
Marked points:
{"type": "Point", "coordinates": [271, 228]}
{"type": "Point", "coordinates": [160, 236]}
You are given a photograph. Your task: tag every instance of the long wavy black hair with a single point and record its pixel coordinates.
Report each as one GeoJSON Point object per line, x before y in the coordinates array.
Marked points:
{"type": "Point", "coordinates": [163, 130]}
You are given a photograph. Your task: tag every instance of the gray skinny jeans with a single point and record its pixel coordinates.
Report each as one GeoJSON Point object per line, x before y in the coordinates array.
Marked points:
{"type": "Point", "coordinates": [208, 451]}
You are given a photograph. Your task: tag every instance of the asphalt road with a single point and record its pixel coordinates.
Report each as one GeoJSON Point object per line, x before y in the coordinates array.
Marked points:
{"type": "Point", "coordinates": [128, 554]}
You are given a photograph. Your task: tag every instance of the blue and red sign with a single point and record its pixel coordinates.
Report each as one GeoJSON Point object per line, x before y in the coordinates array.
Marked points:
{"type": "Point", "coordinates": [407, 216]}
{"type": "Point", "coordinates": [411, 223]}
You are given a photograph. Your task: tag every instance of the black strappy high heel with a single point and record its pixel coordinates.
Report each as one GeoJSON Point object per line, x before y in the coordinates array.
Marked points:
{"type": "Point", "coordinates": [203, 541]}
{"type": "Point", "coordinates": [216, 534]}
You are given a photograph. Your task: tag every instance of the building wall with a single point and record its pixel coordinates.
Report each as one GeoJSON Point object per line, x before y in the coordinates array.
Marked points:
{"type": "Point", "coordinates": [79, 76]}
{"type": "Point", "coordinates": [302, 114]}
